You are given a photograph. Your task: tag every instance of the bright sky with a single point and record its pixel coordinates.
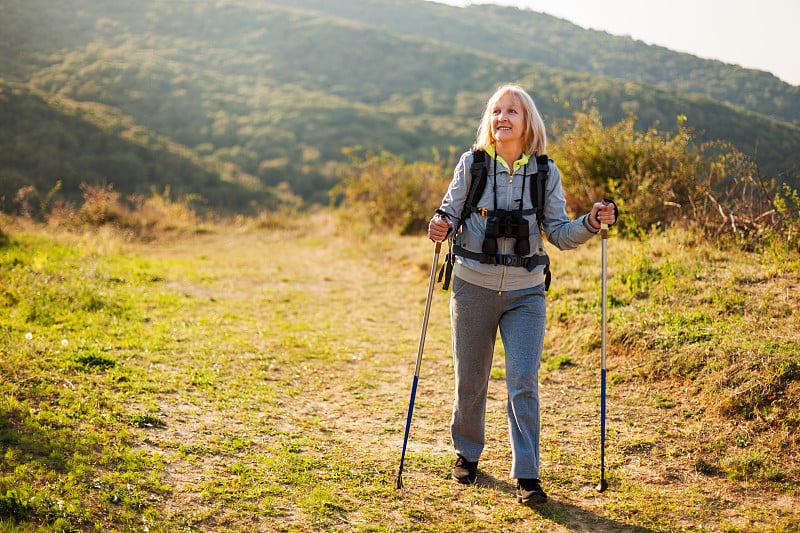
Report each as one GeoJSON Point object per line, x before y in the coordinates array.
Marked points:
{"type": "Point", "coordinates": [764, 35]}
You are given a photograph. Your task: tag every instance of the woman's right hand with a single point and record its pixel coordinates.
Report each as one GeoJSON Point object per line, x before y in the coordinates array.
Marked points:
{"type": "Point", "coordinates": [438, 227]}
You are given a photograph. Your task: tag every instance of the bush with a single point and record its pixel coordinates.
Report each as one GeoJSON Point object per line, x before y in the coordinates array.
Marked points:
{"type": "Point", "coordinates": [15, 504]}
{"type": "Point", "coordinates": [33, 204]}
{"type": "Point", "coordinates": [138, 214]}
{"type": "Point", "coordinates": [660, 178]}
{"type": "Point", "coordinates": [101, 205]}
{"type": "Point", "coordinates": [783, 233]}
{"type": "Point", "coordinates": [655, 177]}
{"type": "Point", "coordinates": [390, 193]}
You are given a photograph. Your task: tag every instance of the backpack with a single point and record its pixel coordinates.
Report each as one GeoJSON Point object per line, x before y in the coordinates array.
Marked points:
{"type": "Point", "coordinates": [479, 175]}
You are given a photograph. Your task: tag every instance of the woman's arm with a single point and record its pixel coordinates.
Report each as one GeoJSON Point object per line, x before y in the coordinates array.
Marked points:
{"type": "Point", "coordinates": [449, 213]}
{"type": "Point", "coordinates": [563, 232]}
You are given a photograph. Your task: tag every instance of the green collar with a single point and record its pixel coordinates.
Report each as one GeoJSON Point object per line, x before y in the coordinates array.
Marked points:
{"type": "Point", "coordinates": [517, 164]}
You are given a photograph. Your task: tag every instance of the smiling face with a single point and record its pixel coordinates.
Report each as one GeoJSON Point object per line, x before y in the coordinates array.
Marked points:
{"type": "Point", "coordinates": [511, 123]}
{"type": "Point", "coordinates": [508, 121]}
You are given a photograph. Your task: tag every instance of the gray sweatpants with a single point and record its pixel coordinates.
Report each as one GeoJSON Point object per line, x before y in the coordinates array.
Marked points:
{"type": "Point", "coordinates": [476, 313]}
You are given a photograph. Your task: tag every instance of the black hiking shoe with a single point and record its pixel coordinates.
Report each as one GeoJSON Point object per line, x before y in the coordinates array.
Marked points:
{"type": "Point", "coordinates": [465, 471]}
{"type": "Point", "coordinates": [529, 492]}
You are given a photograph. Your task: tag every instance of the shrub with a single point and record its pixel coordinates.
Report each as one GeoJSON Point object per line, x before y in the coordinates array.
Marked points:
{"type": "Point", "coordinates": [783, 229]}
{"type": "Point", "coordinates": [660, 178]}
{"type": "Point", "coordinates": [15, 504]}
{"type": "Point", "coordinates": [101, 205]}
{"type": "Point", "coordinates": [137, 214]}
{"type": "Point", "coordinates": [655, 177]}
{"type": "Point", "coordinates": [160, 212]}
{"type": "Point", "coordinates": [33, 204]}
{"type": "Point", "coordinates": [389, 192]}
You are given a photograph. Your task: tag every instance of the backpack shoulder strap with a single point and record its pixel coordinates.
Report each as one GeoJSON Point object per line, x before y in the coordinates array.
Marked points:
{"type": "Point", "coordinates": [478, 175]}
{"type": "Point", "coordinates": [539, 187]}
{"type": "Point", "coordinates": [537, 191]}
{"type": "Point", "coordinates": [478, 172]}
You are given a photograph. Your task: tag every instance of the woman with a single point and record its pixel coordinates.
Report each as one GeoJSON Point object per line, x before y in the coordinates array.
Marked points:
{"type": "Point", "coordinates": [496, 287]}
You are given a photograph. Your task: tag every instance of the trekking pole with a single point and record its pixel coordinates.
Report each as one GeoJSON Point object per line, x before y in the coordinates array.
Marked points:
{"type": "Point", "coordinates": [399, 481]}
{"type": "Point", "coordinates": [603, 485]}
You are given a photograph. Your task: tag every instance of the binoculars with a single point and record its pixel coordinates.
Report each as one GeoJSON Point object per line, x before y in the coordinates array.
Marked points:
{"type": "Point", "coordinates": [507, 224]}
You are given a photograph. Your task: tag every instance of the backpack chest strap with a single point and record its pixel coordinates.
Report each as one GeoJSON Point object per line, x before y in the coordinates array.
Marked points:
{"type": "Point", "coordinates": [528, 263]}
{"type": "Point", "coordinates": [482, 211]}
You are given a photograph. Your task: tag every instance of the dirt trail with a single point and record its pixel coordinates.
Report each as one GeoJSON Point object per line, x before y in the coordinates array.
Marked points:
{"type": "Point", "coordinates": [360, 304]}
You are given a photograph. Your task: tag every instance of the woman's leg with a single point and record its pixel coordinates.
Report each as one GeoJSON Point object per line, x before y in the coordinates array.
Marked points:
{"type": "Point", "coordinates": [522, 330]}
{"type": "Point", "coordinates": [474, 313]}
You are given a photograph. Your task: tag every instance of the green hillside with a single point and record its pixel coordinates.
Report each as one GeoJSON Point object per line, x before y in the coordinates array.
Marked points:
{"type": "Point", "coordinates": [547, 40]}
{"type": "Point", "coordinates": [277, 92]}
{"type": "Point", "coordinates": [44, 141]}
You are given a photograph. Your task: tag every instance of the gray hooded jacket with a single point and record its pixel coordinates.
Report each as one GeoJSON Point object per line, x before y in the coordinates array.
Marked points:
{"type": "Point", "coordinates": [564, 233]}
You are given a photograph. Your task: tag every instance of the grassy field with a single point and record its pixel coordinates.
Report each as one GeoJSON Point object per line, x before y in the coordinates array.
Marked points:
{"type": "Point", "coordinates": [257, 379]}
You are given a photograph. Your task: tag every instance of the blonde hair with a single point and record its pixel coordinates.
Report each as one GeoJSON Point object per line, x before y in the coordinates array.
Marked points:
{"type": "Point", "coordinates": [534, 142]}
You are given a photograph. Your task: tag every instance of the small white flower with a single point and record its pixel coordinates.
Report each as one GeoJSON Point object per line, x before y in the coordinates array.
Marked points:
{"type": "Point", "coordinates": [64, 342]}
{"type": "Point", "coordinates": [29, 336]}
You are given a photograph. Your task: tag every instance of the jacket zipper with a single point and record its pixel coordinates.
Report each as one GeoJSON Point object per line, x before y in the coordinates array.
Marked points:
{"type": "Point", "coordinates": [509, 195]}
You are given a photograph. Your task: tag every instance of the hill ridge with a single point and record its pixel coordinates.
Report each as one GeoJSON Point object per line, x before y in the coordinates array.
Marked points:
{"type": "Point", "coordinates": [758, 90]}
{"type": "Point", "coordinates": [279, 90]}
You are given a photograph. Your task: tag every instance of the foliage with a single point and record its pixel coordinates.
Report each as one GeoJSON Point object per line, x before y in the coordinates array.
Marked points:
{"type": "Point", "coordinates": [660, 178]}
{"type": "Point", "coordinates": [101, 205]}
{"type": "Point", "coordinates": [270, 94]}
{"type": "Point", "coordinates": [55, 145]}
{"type": "Point", "coordinates": [144, 215]}
{"type": "Point", "coordinates": [646, 173]}
{"type": "Point", "coordinates": [390, 193]}
{"type": "Point", "coordinates": [140, 216]}
{"type": "Point", "coordinates": [25, 196]}
{"type": "Point", "coordinates": [558, 43]}
{"type": "Point", "coordinates": [784, 235]}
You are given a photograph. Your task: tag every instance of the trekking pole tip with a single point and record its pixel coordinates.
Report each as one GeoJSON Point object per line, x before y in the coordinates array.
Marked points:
{"type": "Point", "coordinates": [398, 483]}
{"type": "Point", "coordinates": [602, 486]}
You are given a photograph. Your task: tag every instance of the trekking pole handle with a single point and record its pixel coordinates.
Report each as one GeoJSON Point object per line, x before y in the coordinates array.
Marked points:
{"type": "Point", "coordinates": [604, 227]}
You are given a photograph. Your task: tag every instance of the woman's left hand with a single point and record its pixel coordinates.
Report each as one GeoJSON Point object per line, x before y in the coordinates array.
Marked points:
{"type": "Point", "coordinates": [603, 213]}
